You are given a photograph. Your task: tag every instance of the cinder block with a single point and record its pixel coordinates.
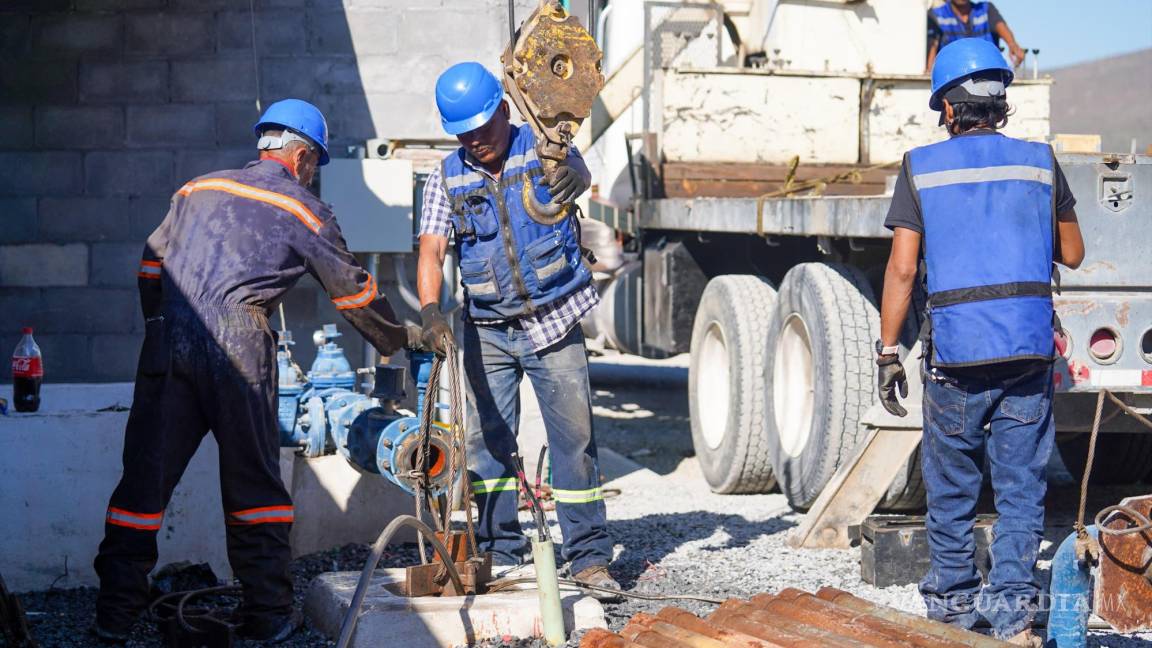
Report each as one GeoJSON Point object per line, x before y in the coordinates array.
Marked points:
{"type": "Point", "coordinates": [433, 621]}
{"type": "Point", "coordinates": [90, 310]}
{"type": "Point", "coordinates": [351, 118]}
{"type": "Point", "coordinates": [127, 81]}
{"type": "Point", "coordinates": [19, 305]}
{"type": "Point", "coordinates": [145, 215]}
{"type": "Point", "coordinates": [39, 173]}
{"type": "Point", "coordinates": [363, 32]}
{"type": "Point", "coordinates": [214, 79]}
{"type": "Point", "coordinates": [39, 5]}
{"type": "Point", "coordinates": [80, 127]}
{"type": "Point", "coordinates": [190, 164]}
{"type": "Point", "coordinates": [381, 75]}
{"type": "Point", "coordinates": [16, 131]}
{"type": "Point", "coordinates": [172, 125]}
{"type": "Point", "coordinates": [66, 220]}
{"type": "Point", "coordinates": [41, 265]}
{"type": "Point", "coordinates": [487, 32]}
{"type": "Point", "coordinates": [114, 264]}
{"type": "Point", "coordinates": [277, 32]}
{"type": "Point", "coordinates": [301, 77]}
{"type": "Point", "coordinates": [118, 5]}
{"type": "Point", "coordinates": [170, 33]}
{"type": "Point", "coordinates": [67, 357]}
{"type": "Point", "coordinates": [19, 220]}
{"type": "Point", "coordinates": [37, 82]}
{"type": "Point", "coordinates": [66, 35]}
{"type": "Point", "coordinates": [114, 357]}
{"type": "Point", "coordinates": [234, 122]}
{"type": "Point", "coordinates": [15, 33]}
{"type": "Point", "coordinates": [128, 173]}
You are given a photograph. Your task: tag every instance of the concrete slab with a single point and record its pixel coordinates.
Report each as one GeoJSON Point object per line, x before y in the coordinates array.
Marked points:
{"type": "Point", "coordinates": [388, 619]}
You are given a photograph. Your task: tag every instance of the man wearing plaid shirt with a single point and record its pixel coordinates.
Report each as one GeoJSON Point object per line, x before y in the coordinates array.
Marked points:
{"type": "Point", "coordinates": [526, 288]}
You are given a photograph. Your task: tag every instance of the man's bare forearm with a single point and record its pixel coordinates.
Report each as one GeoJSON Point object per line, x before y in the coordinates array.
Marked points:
{"type": "Point", "coordinates": [429, 269]}
{"type": "Point", "coordinates": [899, 281]}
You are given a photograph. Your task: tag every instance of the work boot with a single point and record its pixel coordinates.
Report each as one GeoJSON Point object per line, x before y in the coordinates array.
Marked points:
{"type": "Point", "coordinates": [1027, 638]}
{"type": "Point", "coordinates": [598, 576]}
{"type": "Point", "coordinates": [272, 630]}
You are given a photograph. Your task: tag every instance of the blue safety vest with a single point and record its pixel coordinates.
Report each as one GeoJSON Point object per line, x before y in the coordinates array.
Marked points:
{"type": "Point", "coordinates": [989, 218]}
{"type": "Point", "coordinates": [510, 265]}
{"type": "Point", "coordinates": [952, 29]}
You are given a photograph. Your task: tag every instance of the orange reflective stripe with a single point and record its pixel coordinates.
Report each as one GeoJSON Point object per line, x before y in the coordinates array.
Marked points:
{"type": "Point", "coordinates": [262, 515]}
{"type": "Point", "coordinates": [131, 520]}
{"type": "Point", "coordinates": [287, 203]}
{"type": "Point", "coordinates": [149, 270]}
{"type": "Point", "coordinates": [360, 299]}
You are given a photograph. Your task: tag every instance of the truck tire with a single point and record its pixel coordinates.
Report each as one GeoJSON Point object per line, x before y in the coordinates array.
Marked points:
{"type": "Point", "coordinates": [1121, 458]}
{"type": "Point", "coordinates": [820, 374]}
{"type": "Point", "coordinates": [726, 384]}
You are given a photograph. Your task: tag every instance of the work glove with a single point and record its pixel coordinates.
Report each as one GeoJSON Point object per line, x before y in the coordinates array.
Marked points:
{"type": "Point", "coordinates": [891, 377]}
{"type": "Point", "coordinates": [415, 337]}
{"type": "Point", "coordinates": [566, 184]}
{"type": "Point", "coordinates": [435, 330]}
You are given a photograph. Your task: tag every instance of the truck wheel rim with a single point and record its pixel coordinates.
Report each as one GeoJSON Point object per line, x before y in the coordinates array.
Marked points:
{"type": "Point", "coordinates": [712, 387]}
{"type": "Point", "coordinates": [793, 391]}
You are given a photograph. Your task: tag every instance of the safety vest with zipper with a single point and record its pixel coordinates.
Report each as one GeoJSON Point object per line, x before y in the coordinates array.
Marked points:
{"type": "Point", "coordinates": [510, 265]}
{"type": "Point", "coordinates": [952, 29]}
{"type": "Point", "coordinates": [989, 220]}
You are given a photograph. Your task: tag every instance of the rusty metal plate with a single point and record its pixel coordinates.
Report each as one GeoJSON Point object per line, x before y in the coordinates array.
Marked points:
{"type": "Point", "coordinates": [558, 65]}
{"type": "Point", "coordinates": [790, 618]}
{"type": "Point", "coordinates": [433, 580]}
{"type": "Point", "coordinates": [1124, 582]}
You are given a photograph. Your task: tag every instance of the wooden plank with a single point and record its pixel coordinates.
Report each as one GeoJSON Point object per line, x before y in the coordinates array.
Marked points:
{"type": "Point", "coordinates": [765, 172]}
{"type": "Point", "coordinates": [723, 189]}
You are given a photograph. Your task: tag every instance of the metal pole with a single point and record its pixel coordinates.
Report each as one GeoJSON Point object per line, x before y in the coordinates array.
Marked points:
{"type": "Point", "coordinates": [370, 352]}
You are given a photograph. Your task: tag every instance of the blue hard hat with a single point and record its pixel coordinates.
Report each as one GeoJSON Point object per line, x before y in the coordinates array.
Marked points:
{"type": "Point", "coordinates": [299, 117]}
{"type": "Point", "coordinates": [467, 95]}
{"type": "Point", "coordinates": [961, 59]}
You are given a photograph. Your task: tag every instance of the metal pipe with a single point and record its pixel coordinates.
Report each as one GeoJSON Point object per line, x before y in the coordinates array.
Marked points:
{"type": "Point", "coordinates": [544, 558]}
{"type": "Point", "coordinates": [1070, 592]}
{"type": "Point", "coordinates": [373, 262]}
{"type": "Point", "coordinates": [602, 26]}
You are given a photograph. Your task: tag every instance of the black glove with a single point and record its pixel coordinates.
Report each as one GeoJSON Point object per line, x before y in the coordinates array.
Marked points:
{"type": "Point", "coordinates": [436, 331]}
{"type": "Point", "coordinates": [566, 184]}
{"type": "Point", "coordinates": [891, 377]}
{"type": "Point", "coordinates": [415, 337]}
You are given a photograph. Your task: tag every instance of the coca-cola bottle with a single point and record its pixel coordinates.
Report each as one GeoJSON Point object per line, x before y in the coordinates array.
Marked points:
{"type": "Point", "coordinates": [27, 373]}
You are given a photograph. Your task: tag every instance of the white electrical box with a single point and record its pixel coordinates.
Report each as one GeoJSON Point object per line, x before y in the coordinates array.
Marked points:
{"type": "Point", "coordinates": [372, 200]}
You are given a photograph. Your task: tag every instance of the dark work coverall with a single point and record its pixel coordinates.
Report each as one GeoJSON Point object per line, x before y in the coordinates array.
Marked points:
{"type": "Point", "coordinates": [232, 243]}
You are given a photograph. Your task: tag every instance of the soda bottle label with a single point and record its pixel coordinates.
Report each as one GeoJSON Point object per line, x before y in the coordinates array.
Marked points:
{"type": "Point", "coordinates": [27, 367]}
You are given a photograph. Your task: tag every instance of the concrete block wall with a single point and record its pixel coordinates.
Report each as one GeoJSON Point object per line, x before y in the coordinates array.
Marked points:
{"type": "Point", "coordinates": [107, 106]}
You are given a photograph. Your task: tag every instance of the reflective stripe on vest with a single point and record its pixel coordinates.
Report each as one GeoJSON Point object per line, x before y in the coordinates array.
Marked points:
{"type": "Point", "coordinates": [360, 299]}
{"type": "Point", "coordinates": [953, 28]}
{"type": "Point", "coordinates": [262, 515]}
{"type": "Point", "coordinates": [509, 264]}
{"type": "Point", "coordinates": [989, 223]}
{"type": "Point", "coordinates": [132, 520]}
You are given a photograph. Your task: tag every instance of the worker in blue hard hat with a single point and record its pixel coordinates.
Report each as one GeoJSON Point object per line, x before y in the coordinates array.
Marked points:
{"type": "Point", "coordinates": [232, 244]}
{"type": "Point", "coordinates": [951, 20]}
{"type": "Point", "coordinates": [526, 289]}
{"type": "Point", "coordinates": [988, 216]}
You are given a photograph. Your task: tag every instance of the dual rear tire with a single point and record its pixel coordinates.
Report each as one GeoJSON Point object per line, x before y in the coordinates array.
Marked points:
{"type": "Point", "coordinates": [804, 378]}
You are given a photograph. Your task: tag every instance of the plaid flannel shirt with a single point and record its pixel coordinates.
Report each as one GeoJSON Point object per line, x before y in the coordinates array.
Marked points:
{"type": "Point", "coordinates": [545, 326]}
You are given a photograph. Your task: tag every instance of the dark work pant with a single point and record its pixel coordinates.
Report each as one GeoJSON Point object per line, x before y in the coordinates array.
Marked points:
{"type": "Point", "coordinates": [205, 367]}
{"type": "Point", "coordinates": [1017, 409]}
{"type": "Point", "coordinates": [496, 358]}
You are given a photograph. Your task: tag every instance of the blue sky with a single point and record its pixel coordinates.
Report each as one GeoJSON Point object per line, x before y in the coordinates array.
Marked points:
{"type": "Point", "coordinates": [1073, 31]}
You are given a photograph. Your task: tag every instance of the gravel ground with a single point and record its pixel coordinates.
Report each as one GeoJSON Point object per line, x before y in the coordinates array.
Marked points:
{"type": "Point", "coordinates": [673, 536]}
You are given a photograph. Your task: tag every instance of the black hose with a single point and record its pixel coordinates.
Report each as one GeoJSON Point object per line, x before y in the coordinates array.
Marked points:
{"type": "Point", "coordinates": [353, 615]}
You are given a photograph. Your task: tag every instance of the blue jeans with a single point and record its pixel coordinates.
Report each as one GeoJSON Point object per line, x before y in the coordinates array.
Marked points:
{"type": "Point", "coordinates": [1017, 409]}
{"type": "Point", "coordinates": [496, 358]}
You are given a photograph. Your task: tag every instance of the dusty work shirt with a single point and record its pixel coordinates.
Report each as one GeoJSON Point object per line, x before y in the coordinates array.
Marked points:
{"type": "Point", "coordinates": [546, 325]}
{"type": "Point", "coordinates": [244, 237]}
